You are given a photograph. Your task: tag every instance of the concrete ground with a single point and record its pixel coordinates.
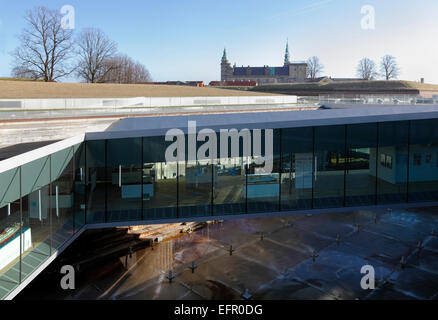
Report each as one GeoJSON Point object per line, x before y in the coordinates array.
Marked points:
{"type": "Point", "coordinates": [27, 115]}
{"type": "Point", "coordinates": [17, 127]}
{"type": "Point", "coordinates": [299, 257]}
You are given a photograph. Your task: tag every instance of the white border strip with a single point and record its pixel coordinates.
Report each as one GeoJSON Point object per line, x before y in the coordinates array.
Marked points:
{"type": "Point", "coordinates": [36, 154]}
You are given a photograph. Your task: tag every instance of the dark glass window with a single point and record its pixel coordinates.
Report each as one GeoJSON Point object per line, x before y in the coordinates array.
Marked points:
{"type": "Point", "coordinates": [195, 187]}
{"type": "Point", "coordinates": [79, 187]}
{"type": "Point", "coordinates": [383, 159]}
{"type": "Point", "coordinates": [360, 179]}
{"type": "Point", "coordinates": [36, 228]}
{"type": "Point", "coordinates": [124, 179]}
{"type": "Point", "coordinates": [160, 180]}
{"type": "Point", "coordinates": [328, 190]}
{"type": "Point", "coordinates": [388, 162]}
{"type": "Point", "coordinates": [62, 196]}
{"type": "Point", "coordinates": [195, 178]}
{"type": "Point", "coordinates": [297, 166]}
{"type": "Point", "coordinates": [229, 189]}
{"type": "Point", "coordinates": [392, 174]}
{"type": "Point", "coordinates": [96, 181]}
{"type": "Point", "coordinates": [263, 189]}
{"type": "Point", "coordinates": [423, 173]}
{"type": "Point", "coordinates": [417, 159]}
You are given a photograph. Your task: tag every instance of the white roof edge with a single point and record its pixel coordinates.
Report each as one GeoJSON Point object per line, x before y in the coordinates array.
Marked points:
{"type": "Point", "coordinates": [33, 155]}
{"type": "Point", "coordinates": [147, 126]}
{"type": "Point", "coordinates": [330, 117]}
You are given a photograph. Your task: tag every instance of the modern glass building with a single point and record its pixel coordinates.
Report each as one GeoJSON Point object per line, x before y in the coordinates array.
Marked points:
{"type": "Point", "coordinates": [321, 160]}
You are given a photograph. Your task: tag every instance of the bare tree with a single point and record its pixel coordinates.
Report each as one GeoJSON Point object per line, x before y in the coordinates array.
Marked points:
{"type": "Point", "coordinates": [389, 68]}
{"type": "Point", "coordinates": [22, 72]}
{"type": "Point", "coordinates": [123, 69]}
{"type": "Point", "coordinates": [366, 69]}
{"type": "Point", "coordinates": [94, 48]}
{"type": "Point", "coordinates": [45, 47]}
{"type": "Point", "coordinates": [314, 67]}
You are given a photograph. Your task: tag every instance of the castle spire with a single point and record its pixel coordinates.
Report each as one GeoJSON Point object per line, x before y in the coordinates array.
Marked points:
{"type": "Point", "coordinates": [224, 56]}
{"type": "Point", "coordinates": [286, 54]}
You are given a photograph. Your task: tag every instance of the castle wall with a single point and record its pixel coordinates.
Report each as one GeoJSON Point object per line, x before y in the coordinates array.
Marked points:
{"type": "Point", "coordinates": [297, 73]}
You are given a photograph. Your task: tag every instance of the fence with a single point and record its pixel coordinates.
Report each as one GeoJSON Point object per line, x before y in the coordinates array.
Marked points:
{"type": "Point", "coordinates": [390, 99]}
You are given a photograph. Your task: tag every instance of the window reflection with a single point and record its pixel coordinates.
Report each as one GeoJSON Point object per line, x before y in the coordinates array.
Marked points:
{"type": "Point", "coordinates": [160, 187]}
{"type": "Point", "coordinates": [392, 167]}
{"type": "Point", "coordinates": [329, 166]}
{"type": "Point", "coordinates": [360, 180]}
{"type": "Point", "coordinates": [195, 188]}
{"type": "Point", "coordinates": [229, 188]}
{"type": "Point", "coordinates": [124, 179]}
{"type": "Point", "coordinates": [423, 169]}
{"type": "Point", "coordinates": [297, 166]}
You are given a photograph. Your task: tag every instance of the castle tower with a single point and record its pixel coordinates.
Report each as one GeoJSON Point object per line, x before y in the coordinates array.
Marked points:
{"type": "Point", "coordinates": [286, 54]}
{"type": "Point", "coordinates": [226, 69]}
{"type": "Point", "coordinates": [224, 55]}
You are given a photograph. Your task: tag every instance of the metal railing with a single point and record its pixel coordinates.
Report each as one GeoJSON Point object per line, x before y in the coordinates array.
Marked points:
{"type": "Point", "coordinates": [369, 99]}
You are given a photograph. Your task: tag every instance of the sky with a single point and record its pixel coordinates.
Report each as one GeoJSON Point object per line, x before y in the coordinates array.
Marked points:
{"type": "Point", "coordinates": [184, 39]}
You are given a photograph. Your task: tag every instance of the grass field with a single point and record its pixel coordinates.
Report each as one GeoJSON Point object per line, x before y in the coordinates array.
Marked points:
{"type": "Point", "coordinates": [16, 79]}
{"type": "Point", "coordinates": [10, 89]}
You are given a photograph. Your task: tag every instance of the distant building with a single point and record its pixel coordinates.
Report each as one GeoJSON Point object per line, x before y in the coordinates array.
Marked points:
{"type": "Point", "coordinates": [289, 72]}
{"type": "Point", "coordinates": [234, 83]}
{"type": "Point", "coordinates": [177, 83]}
{"type": "Point", "coordinates": [347, 79]}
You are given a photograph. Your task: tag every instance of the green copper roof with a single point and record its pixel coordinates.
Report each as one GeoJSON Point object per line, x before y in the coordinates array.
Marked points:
{"type": "Point", "coordinates": [224, 56]}
{"type": "Point", "coordinates": [286, 54]}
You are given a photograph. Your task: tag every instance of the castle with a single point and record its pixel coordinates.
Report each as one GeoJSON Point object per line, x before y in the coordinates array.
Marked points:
{"type": "Point", "coordinates": [289, 72]}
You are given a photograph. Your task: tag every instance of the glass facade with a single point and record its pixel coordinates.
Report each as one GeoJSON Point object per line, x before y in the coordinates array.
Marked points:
{"type": "Point", "coordinates": [95, 181]}
{"type": "Point", "coordinates": [124, 179]}
{"type": "Point", "coordinates": [43, 203]}
{"type": "Point", "coordinates": [360, 171]}
{"type": "Point", "coordinates": [62, 195]}
{"type": "Point", "coordinates": [329, 166]}
{"type": "Point", "coordinates": [263, 194]}
{"type": "Point", "coordinates": [41, 207]}
{"type": "Point", "coordinates": [160, 181]}
{"type": "Point", "coordinates": [297, 168]}
{"type": "Point", "coordinates": [423, 161]}
{"type": "Point", "coordinates": [392, 159]}
{"type": "Point", "coordinates": [79, 196]}
{"type": "Point", "coordinates": [229, 192]}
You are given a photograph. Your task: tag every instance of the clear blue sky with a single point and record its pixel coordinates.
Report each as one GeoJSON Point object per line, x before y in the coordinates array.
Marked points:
{"type": "Point", "coordinates": [184, 39]}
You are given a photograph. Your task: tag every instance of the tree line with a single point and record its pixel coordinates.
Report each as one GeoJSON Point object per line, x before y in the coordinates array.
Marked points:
{"type": "Point", "coordinates": [49, 52]}
{"type": "Point", "coordinates": [366, 69]}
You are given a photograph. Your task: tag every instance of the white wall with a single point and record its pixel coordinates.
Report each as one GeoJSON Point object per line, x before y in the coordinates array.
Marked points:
{"type": "Point", "coordinates": [115, 103]}
{"type": "Point", "coordinates": [11, 250]}
{"type": "Point", "coordinates": [384, 173]}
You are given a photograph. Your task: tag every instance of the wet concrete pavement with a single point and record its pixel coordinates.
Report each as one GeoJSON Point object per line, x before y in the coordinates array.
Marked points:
{"type": "Point", "coordinates": [296, 257]}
